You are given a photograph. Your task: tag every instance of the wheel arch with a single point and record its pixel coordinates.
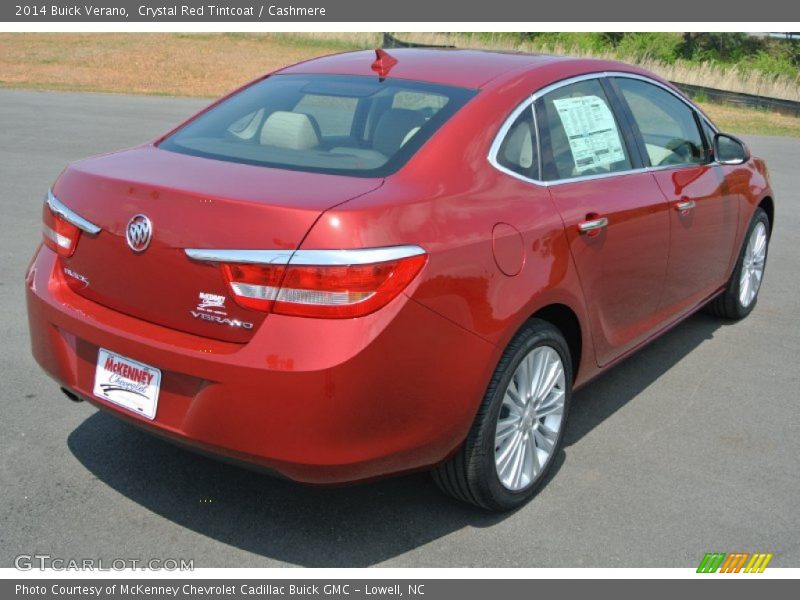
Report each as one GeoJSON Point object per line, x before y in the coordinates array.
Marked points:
{"type": "Point", "coordinates": [566, 321]}
{"type": "Point", "coordinates": [768, 205]}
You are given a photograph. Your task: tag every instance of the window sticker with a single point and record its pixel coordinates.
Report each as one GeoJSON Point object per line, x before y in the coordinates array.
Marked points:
{"type": "Point", "coordinates": [591, 130]}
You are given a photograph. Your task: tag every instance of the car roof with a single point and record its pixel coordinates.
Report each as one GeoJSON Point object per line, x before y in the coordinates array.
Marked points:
{"type": "Point", "coordinates": [464, 68]}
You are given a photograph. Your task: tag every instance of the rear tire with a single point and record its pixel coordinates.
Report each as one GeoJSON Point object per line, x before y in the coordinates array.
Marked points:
{"type": "Point", "coordinates": [519, 428]}
{"type": "Point", "coordinates": [741, 294]}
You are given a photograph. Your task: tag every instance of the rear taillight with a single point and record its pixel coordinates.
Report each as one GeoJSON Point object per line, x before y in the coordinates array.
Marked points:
{"type": "Point", "coordinates": [344, 291]}
{"type": "Point", "coordinates": [59, 235]}
{"type": "Point", "coordinates": [61, 227]}
{"type": "Point", "coordinates": [254, 286]}
{"type": "Point", "coordinates": [319, 283]}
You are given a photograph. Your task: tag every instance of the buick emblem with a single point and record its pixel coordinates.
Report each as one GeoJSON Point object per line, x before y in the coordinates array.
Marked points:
{"type": "Point", "coordinates": [139, 232]}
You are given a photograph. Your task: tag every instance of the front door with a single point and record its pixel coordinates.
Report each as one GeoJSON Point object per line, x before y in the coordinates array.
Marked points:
{"type": "Point", "coordinates": [615, 215]}
{"type": "Point", "coordinates": [703, 212]}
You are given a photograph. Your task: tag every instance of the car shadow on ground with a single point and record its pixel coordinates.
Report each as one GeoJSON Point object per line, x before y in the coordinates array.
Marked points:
{"type": "Point", "coordinates": [609, 392]}
{"type": "Point", "coordinates": [358, 525]}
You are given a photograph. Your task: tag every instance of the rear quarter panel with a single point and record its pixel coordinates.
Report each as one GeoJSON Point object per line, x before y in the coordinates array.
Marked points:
{"type": "Point", "coordinates": [448, 199]}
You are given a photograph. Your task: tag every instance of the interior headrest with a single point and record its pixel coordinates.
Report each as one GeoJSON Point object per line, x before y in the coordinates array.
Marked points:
{"type": "Point", "coordinates": [394, 127]}
{"type": "Point", "coordinates": [295, 131]}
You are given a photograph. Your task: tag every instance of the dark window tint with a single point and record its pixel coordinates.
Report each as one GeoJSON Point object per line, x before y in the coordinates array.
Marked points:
{"type": "Point", "coordinates": [580, 135]}
{"type": "Point", "coordinates": [518, 151]}
{"type": "Point", "coordinates": [348, 125]}
{"type": "Point", "coordinates": [709, 131]}
{"type": "Point", "coordinates": [667, 124]}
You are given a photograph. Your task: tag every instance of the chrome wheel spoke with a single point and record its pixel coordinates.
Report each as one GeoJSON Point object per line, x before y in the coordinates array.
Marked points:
{"type": "Point", "coordinates": [760, 243]}
{"type": "Point", "coordinates": [555, 396]}
{"type": "Point", "coordinates": [523, 377]}
{"type": "Point", "coordinates": [745, 291]}
{"type": "Point", "coordinates": [537, 370]}
{"type": "Point", "coordinates": [505, 428]}
{"type": "Point", "coordinates": [533, 456]}
{"type": "Point", "coordinates": [553, 408]}
{"type": "Point", "coordinates": [554, 374]}
{"type": "Point", "coordinates": [518, 465]}
{"type": "Point", "coordinates": [545, 438]}
{"type": "Point", "coordinates": [505, 460]}
{"type": "Point", "coordinates": [513, 402]}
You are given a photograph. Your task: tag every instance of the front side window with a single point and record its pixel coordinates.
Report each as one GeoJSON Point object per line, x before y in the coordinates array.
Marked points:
{"type": "Point", "coordinates": [580, 135]}
{"type": "Point", "coordinates": [667, 125]}
{"type": "Point", "coordinates": [518, 152]}
{"type": "Point", "coordinates": [349, 125]}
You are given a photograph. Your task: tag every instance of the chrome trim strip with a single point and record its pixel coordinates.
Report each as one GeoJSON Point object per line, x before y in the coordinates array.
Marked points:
{"type": "Point", "coordinates": [357, 256]}
{"type": "Point", "coordinates": [248, 257]}
{"type": "Point", "coordinates": [69, 215]}
{"type": "Point", "coordinates": [501, 135]}
{"type": "Point", "coordinates": [498, 140]}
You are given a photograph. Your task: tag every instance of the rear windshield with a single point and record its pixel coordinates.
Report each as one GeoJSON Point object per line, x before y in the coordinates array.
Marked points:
{"type": "Point", "coordinates": [349, 125]}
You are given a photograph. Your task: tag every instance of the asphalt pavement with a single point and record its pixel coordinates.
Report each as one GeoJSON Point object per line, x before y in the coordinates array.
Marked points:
{"type": "Point", "coordinates": [690, 446]}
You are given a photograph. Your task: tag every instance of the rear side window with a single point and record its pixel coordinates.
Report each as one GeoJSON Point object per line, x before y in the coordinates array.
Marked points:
{"type": "Point", "coordinates": [518, 152]}
{"type": "Point", "coordinates": [667, 125]}
{"type": "Point", "coordinates": [580, 135]}
{"type": "Point", "coordinates": [350, 125]}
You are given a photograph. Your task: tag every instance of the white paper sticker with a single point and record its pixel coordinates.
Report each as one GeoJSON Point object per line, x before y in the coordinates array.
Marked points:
{"type": "Point", "coordinates": [591, 131]}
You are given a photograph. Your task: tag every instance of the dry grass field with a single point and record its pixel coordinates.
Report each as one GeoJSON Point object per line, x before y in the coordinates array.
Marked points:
{"type": "Point", "coordinates": [709, 75]}
{"type": "Point", "coordinates": [207, 65]}
{"type": "Point", "coordinates": [150, 63]}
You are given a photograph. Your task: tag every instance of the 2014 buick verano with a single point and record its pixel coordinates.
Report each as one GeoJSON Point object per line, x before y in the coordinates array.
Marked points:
{"type": "Point", "coordinates": [369, 263]}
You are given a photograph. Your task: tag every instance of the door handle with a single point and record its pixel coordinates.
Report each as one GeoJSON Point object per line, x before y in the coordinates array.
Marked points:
{"type": "Point", "coordinates": [685, 206]}
{"type": "Point", "coordinates": [593, 226]}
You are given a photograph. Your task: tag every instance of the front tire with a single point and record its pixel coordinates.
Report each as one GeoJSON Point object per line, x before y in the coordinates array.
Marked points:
{"type": "Point", "coordinates": [520, 424]}
{"type": "Point", "coordinates": [740, 296]}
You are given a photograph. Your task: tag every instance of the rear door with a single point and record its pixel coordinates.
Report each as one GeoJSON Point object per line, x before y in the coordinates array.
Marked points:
{"type": "Point", "coordinates": [614, 213]}
{"type": "Point", "coordinates": [703, 211]}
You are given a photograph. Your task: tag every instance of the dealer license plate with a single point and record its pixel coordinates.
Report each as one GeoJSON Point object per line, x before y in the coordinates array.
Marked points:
{"type": "Point", "coordinates": [127, 383]}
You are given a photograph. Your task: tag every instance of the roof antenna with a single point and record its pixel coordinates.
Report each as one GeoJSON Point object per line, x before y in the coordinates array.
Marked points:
{"type": "Point", "coordinates": [383, 63]}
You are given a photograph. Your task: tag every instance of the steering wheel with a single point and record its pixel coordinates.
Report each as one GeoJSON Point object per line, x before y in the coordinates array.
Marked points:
{"type": "Point", "coordinates": [681, 151]}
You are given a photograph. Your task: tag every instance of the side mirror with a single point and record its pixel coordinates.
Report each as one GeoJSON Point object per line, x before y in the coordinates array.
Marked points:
{"type": "Point", "coordinates": [730, 150]}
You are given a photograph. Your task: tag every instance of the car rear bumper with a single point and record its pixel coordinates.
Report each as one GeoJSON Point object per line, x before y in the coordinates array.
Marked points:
{"type": "Point", "coordinates": [318, 401]}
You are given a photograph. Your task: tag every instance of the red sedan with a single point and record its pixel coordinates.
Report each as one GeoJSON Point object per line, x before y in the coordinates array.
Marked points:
{"type": "Point", "coordinates": [368, 263]}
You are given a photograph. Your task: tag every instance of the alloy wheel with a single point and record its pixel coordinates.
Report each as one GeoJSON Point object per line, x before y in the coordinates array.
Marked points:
{"type": "Point", "coordinates": [530, 418]}
{"type": "Point", "coordinates": [755, 256]}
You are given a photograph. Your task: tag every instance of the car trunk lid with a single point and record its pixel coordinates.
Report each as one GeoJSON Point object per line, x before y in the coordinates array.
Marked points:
{"type": "Point", "coordinates": [190, 202]}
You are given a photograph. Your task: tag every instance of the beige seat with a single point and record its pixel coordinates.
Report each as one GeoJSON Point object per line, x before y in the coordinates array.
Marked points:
{"type": "Point", "coordinates": [394, 130]}
{"type": "Point", "coordinates": [290, 130]}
